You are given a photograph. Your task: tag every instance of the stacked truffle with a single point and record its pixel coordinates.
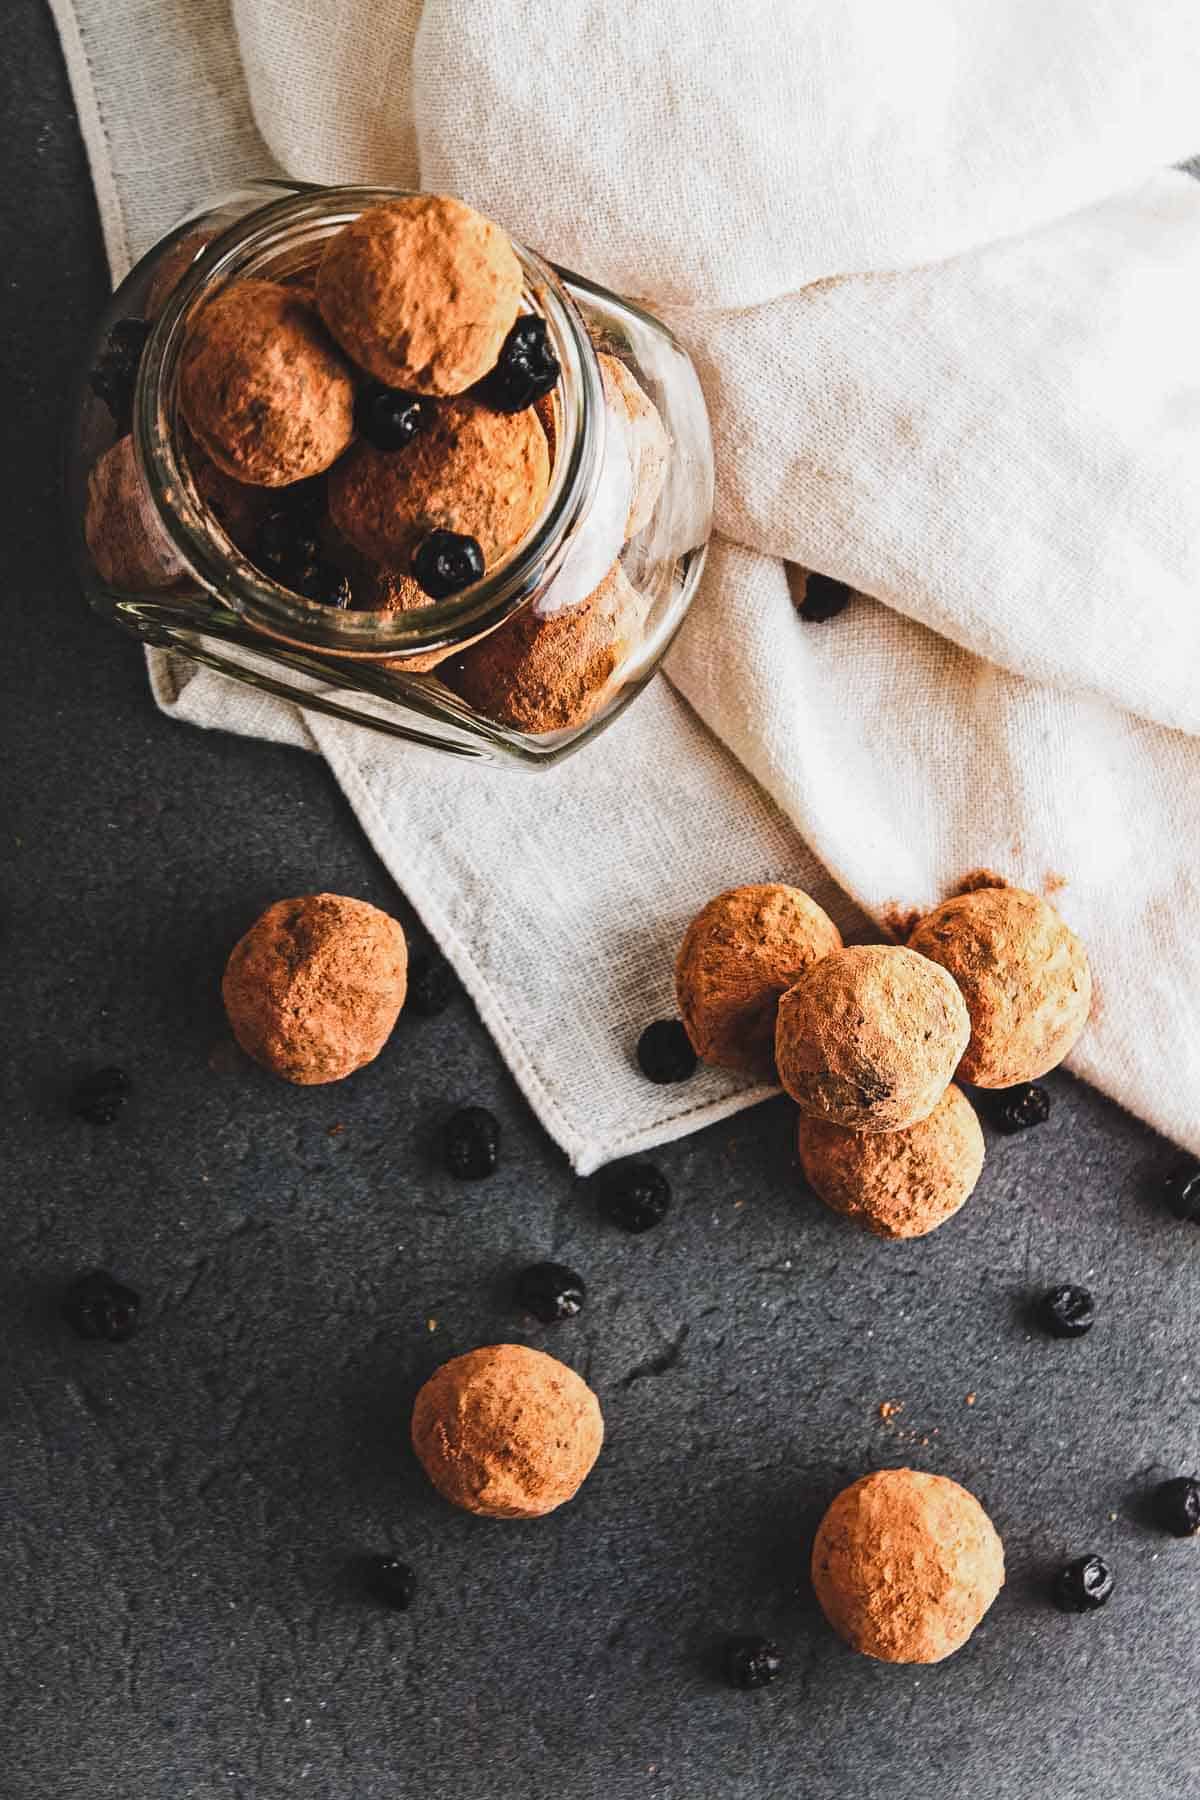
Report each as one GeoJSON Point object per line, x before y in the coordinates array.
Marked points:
{"type": "Point", "coordinates": [992, 986]}
{"type": "Point", "coordinates": [378, 432]}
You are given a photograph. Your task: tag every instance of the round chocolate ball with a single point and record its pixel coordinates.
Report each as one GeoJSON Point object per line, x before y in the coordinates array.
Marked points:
{"type": "Point", "coordinates": [1024, 975]}
{"type": "Point", "coordinates": [506, 1432]}
{"type": "Point", "coordinates": [739, 955]}
{"type": "Point", "coordinates": [900, 1184]}
{"type": "Point", "coordinates": [870, 1037]}
{"type": "Point", "coordinates": [315, 987]}
{"type": "Point", "coordinates": [905, 1565]}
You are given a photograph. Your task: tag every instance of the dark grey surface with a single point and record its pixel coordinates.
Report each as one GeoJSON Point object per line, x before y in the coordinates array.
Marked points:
{"type": "Point", "coordinates": [178, 1517]}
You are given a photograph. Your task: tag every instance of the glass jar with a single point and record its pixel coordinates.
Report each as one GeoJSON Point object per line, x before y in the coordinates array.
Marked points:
{"type": "Point", "coordinates": [401, 672]}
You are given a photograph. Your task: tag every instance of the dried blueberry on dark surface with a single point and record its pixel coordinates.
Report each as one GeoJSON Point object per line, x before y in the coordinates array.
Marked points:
{"type": "Point", "coordinates": [1182, 1192]}
{"type": "Point", "coordinates": [392, 1582]}
{"type": "Point", "coordinates": [824, 598]}
{"type": "Point", "coordinates": [471, 1143]}
{"type": "Point", "coordinates": [1176, 1506]}
{"type": "Point", "coordinates": [634, 1195]}
{"type": "Point", "coordinates": [550, 1291]}
{"type": "Point", "coordinates": [431, 984]}
{"type": "Point", "coordinates": [751, 1662]}
{"type": "Point", "coordinates": [446, 562]}
{"type": "Point", "coordinates": [389, 418]}
{"type": "Point", "coordinates": [99, 1306]}
{"type": "Point", "coordinates": [1066, 1311]}
{"type": "Point", "coordinates": [665, 1052]}
{"type": "Point", "coordinates": [99, 1096]}
{"type": "Point", "coordinates": [526, 369]}
{"type": "Point", "coordinates": [113, 377]}
{"type": "Point", "coordinates": [1016, 1109]}
{"type": "Point", "coordinates": [1083, 1585]}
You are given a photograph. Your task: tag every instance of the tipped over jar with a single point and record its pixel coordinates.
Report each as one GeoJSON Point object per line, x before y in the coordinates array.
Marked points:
{"type": "Point", "coordinates": [358, 448]}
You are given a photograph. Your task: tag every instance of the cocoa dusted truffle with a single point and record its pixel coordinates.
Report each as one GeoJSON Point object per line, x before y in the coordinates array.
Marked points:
{"type": "Point", "coordinates": [264, 388]}
{"type": "Point", "coordinates": [550, 673]}
{"type": "Point", "coordinates": [478, 473]}
{"type": "Point", "coordinates": [905, 1565]}
{"type": "Point", "coordinates": [314, 988]}
{"type": "Point", "coordinates": [1024, 975]}
{"type": "Point", "coordinates": [421, 292]}
{"type": "Point", "coordinates": [506, 1432]}
{"type": "Point", "coordinates": [127, 542]}
{"type": "Point", "coordinates": [646, 439]}
{"type": "Point", "coordinates": [870, 1037]}
{"type": "Point", "coordinates": [739, 955]}
{"type": "Point", "coordinates": [901, 1184]}
{"type": "Point", "coordinates": [238, 506]}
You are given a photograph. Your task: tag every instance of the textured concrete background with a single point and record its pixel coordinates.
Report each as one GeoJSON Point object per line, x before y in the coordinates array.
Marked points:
{"type": "Point", "coordinates": [179, 1517]}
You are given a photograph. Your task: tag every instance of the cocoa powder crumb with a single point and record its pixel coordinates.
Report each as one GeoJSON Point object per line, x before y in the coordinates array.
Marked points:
{"type": "Point", "coordinates": [900, 921]}
{"type": "Point", "coordinates": [889, 1408]}
{"type": "Point", "coordinates": [977, 879]}
{"type": "Point", "coordinates": [1053, 882]}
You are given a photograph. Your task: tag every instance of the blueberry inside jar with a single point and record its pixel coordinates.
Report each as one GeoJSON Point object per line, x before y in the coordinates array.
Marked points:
{"type": "Point", "coordinates": [378, 436]}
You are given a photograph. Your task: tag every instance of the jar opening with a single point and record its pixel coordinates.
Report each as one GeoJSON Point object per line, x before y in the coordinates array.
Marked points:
{"type": "Point", "coordinates": [280, 239]}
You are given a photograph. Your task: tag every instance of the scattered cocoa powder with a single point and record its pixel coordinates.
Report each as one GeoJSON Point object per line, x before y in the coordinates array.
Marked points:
{"type": "Point", "coordinates": [506, 1431]}
{"type": "Point", "coordinates": [1053, 882]}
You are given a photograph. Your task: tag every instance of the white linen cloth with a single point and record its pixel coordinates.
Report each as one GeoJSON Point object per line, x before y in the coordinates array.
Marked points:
{"type": "Point", "coordinates": [943, 293]}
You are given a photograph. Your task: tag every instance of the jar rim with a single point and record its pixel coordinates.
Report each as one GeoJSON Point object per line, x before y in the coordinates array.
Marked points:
{"type": "Point", "coordinates": [309, 215]}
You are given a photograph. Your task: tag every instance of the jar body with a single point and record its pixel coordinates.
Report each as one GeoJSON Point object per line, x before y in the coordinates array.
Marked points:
{"type": "Point", "coordinates": [459, 676]}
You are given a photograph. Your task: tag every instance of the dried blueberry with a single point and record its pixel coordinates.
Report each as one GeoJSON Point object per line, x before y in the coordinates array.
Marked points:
{"type": "Point", "coordinates": [634, 1195]}
{"type": "Point", "coordinates": [98, 1306]}
{"type": "Point", "coordinates": [389, 418]}
{"type": "Point", "coordinates": [446, 562]}
{"type": "Point", "coordinates": [1083, 1585]}
{"type": "Point", "coordinates": [286, 544]}
{"type": "Point", "coordinates": [550, 1292]}
{"type": "Point", "coordinates": [392, 1582]}
{"type": "Point", "coordinates": [1182, 1192]}
{"type": "Point", "coordinates": [114, 375]}
{"type": "Point", "coordinates": [526, 369]}
{"type": "Point", "coordinates": [471, 1143]}
{"type": "Point", "coordinates": [1067, 1311]}
{"type": "Point", "coordinates": [431, 984]}
{"type": "Point", "coordinates": [99, 1096]}
{"type": "Point", "coordinates": [751, 1662]}
{"type": "Point", "coordinates": [665, 1052]}
{"type": "Point", "coordinates": [1177, 1506]}
{"type": "Point", "coordinates": [1016, 1109]}
{"type": "Point", "coordinates": [824, 598]}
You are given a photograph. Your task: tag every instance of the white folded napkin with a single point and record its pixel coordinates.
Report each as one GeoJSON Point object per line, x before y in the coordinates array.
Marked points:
{"type": "Point", "coordinates": [942, 294]}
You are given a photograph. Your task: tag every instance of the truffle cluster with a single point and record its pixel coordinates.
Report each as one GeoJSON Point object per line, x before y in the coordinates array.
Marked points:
{"type": "Point", "coordinates": [378, 430]}
{"type": "Point", "coordinates": [867, 1039]}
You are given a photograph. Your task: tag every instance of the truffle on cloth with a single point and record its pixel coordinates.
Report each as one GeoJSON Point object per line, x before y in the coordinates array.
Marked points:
{"type": "Point", "coordinates": [901, 1184]}
{"type": "Point", "coordinates": [264, 388]}
{"type": "Point", "coordinates": [480, 473]}
{"type": "Point", "coordinates": [870, 1037]}
{"type": "Point", "coordinates": [506, 1432]}
{"type": "Point", "coordinates": [125, 538]}
{"type": "Point", "coordinates": [1024, 975]}
{"type": "Point", "coordinates": [540, 673]}
{"type": "Point", "coordinates": [905, 1565]}
{"type": "Point", "coordinates": [739, 955]}
{"type": "Point", "coordinates": [421, 292]}
{"type": "Point", "coordinates": [315, 987]}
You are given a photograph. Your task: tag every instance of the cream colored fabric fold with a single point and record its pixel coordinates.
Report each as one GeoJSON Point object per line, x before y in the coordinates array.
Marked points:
{"type": "Point", "coordinates": [943, 307]}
